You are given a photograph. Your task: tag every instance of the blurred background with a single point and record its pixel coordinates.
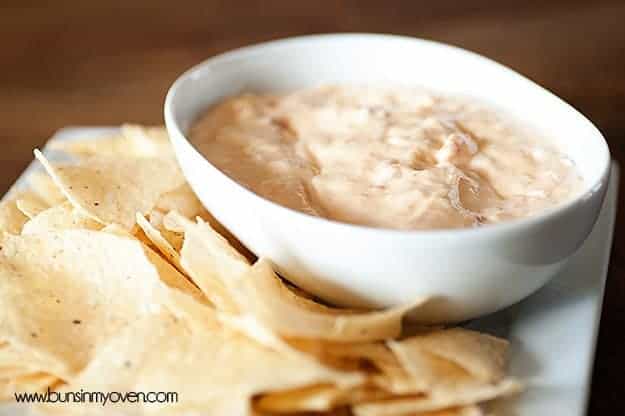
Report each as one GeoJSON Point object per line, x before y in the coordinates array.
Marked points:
{"type": "Point", "coordinates": [76, 62]}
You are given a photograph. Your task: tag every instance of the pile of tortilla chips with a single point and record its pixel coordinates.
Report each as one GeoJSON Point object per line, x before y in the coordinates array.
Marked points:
{"type": "Point", "coordinates": [113, 278]}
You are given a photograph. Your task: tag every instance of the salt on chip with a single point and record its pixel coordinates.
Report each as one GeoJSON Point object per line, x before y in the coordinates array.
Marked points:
{"type": "Point", "coordinates": [62, 308]}
{"type": "Point", "coordinates": [114, 189]}
{"type": "Point", "coordinates": [213, 372]}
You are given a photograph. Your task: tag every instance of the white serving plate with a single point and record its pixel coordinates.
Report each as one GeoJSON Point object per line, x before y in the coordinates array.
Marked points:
{"type": "Point", "coordinates": [553, 333]}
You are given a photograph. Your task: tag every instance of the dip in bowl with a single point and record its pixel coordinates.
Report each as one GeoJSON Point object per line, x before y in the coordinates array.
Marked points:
{"type": "Point", "coordinates": [388, 157]}
{"type": "Point", "coordinates": [469, 271]}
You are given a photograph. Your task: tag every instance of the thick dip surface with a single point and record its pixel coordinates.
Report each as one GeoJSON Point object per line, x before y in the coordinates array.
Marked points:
{"type": "Point", "coordinates": [397, 158]}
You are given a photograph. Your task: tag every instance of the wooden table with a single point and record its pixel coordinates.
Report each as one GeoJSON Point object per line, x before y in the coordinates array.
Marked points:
{"type": "Point", "coordinates": [72, 62]}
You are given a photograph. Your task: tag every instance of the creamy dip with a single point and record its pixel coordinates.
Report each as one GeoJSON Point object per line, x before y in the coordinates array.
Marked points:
{"type": "Point", "coordinates": [385, 157]}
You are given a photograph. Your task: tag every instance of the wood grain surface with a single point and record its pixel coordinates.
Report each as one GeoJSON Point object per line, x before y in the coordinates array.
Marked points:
{"type": "Point", "coordinates": [73, 62]}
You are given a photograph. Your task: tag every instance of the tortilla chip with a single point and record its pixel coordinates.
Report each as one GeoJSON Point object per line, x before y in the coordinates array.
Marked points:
{"type": "Point", "coordinates": [43, 186]}
{"type": "Point", "coordinates": [153, 141]}
{"type": "Point", "coordinates": [224, 275]}
{"type": "Point", "coordinates": [213, 372]}
{"type": "Point", "coordinates": [319, 398]}
{"type": "Point", "coordinates": [164, 247]}
{"type": "Point", "coordinates": [451, 358]}
{"type": "Point", "coordinates": [373, 357]}
{"type": "Point", "coordinates": [62, 308]}
{"type": "Point", "coordinates": [443, 382]}
{"type": "Point", "coordinates": [9, 372]}
{"type": "Point", "coordinates": [175, 222]}
{"type": "Point", "coordinates": [31, 205]}
{"type": "Point", "coordinates": [482, 355]}
{"type": "Point", "coordinates": [131, 140]}
{"type": "Point", "coordinates": [19, 359]}
{"type": "Point", "coordinates": [456, 411]}
{"type": "Point", "coordinates": [431, 404]}
{"type": "Point", "coordinates": [63, 216]}
{"type": "Point", "coordinates": [119, 230]}
{"type": "Point", "coordinates": [113, 190]}
{"type": "Point", "coordinates": [26, 383]}
{"type": "Point", "coordinates": [11, 218]}
{"type": "Point", "coordinates": [210, 262]}
{"type": "Point", "coordinates": [262, 294]}
{"type": "Point", "coordinates": [183, 201]}
{"type": "Point", "coordinates": [429, 372]}
{"type": "Point", "coordinates": [174, 238]}
{"type": "Point", "coordinates": [172, 277]}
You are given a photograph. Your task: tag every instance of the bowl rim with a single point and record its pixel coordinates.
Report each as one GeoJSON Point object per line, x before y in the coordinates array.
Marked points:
{"type": "Point", "coordinates": [511, 226]}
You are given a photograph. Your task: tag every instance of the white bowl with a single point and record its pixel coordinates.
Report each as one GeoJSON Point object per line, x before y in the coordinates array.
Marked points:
{"type": "Point", "coordinates": [470, 272]}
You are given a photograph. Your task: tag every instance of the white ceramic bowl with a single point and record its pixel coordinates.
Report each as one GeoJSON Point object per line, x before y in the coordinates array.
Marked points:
{"type": "Point", "coordinates": [471, 272]}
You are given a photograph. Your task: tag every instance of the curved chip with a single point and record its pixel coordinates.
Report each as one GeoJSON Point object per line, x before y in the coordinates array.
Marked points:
{"type": "Point", "coordinates": [222, 272]}
{"type": "Point", "coordinates": [210, 261]}
{"type": "Point", "coordinates": [173, 221]}
{"type": "Point", "coordinates": [482, 355]}
{"type": "Point", "coordinates": [131, 140]}
{"type": "Point", "coordinates": [155, 236]}
{"type": "Point", "coordinates": [113, 190]}
{"type": "Point", "coordinates": [262, 294]}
